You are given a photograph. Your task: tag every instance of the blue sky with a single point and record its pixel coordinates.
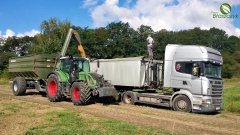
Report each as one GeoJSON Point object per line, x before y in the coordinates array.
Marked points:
{"type": "Point", "coordinates": [24, 15]}
{"type": "Point", "coordinates": [21, 16]}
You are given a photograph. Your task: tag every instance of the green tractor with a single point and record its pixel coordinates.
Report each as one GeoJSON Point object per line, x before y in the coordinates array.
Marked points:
{"type": "Point", "coordinates": [73, 78]}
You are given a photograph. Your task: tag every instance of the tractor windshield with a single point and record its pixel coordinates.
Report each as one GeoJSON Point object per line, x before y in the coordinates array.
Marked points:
{"type": "Point", "coordinates": [83, 65]}
{"type": "Point", "coordinates": [65, 65]}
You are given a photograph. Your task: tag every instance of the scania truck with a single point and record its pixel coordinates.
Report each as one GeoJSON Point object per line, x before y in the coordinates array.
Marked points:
{"type": "Point", "coordinates": [192, 72]}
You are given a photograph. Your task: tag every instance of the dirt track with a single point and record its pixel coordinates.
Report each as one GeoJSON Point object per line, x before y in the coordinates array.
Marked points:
{"type": "Point", "coordinates": [161, 118]}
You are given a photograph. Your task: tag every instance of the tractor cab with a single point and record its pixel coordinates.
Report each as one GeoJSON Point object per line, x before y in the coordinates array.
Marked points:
{"type": "Point", "coordinates": [69, 63]}
{"type": "Point", "coordinates": [72, 66]}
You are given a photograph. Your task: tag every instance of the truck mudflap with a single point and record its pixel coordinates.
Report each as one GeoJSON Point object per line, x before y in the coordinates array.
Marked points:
{"type": "Point", "coordinates": [107, 92]}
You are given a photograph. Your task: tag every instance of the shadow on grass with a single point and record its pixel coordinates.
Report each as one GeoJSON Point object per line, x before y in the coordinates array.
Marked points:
{"type": "Point", "coordinates": [104, 101]}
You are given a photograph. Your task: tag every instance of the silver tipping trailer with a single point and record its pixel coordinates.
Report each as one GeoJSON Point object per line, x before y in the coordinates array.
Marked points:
{"type": "Point", "coordinates": [131, 72]}
{"type": "Point", "coordinates": [193, 73]}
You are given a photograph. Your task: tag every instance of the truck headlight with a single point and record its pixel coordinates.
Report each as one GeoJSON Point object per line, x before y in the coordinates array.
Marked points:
{"type": "Point", "coordinates": [206, 101]}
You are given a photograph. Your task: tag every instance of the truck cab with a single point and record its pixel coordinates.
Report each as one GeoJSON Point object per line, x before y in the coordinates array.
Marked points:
{"type": "Point", "coordinates": [194, 71]}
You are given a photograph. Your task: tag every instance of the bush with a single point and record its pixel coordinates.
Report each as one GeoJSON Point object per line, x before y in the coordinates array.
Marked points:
{"type": "Point", "coordinates": [228, 71]}
{"type": "Point", "coordinates": [5, 74]}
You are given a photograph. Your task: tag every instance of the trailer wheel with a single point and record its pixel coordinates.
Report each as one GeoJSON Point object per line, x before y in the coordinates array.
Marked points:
{"type": "Point", "coordinates": [129, 97]}
{"type": "Point", "coordinates": [19, 86]}
{"type": "Point", "coordinates": [80, 93]}
{"type": "Point", "coordinates": [54, 89]}
{"type": "Point", "coordinates": [182, 103]}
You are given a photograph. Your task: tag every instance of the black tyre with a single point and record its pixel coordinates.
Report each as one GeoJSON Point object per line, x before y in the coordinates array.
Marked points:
{"type": "Point", "coordinates": [19, 86]}
{"type": "Point", "coordinates": [129, 97]}
{"type": "Point", "coordinates": [182, 103]}
{"type": "Point", "coordinates": [54, 92]}
{"type": "Point", "coordinates": [80, 93]}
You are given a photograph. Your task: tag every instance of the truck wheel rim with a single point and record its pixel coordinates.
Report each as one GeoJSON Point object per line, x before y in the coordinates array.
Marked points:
{"type": "Point", "coordinates": [128, 99]}
{"type": "Point", "coordinates": [182, 104]}
{"type": "Point", "coordinates": [76, 94]}
{"type": "Point", "coordinates": [15, 86]}
{"type": "Point", "coordinates": [52, 88]}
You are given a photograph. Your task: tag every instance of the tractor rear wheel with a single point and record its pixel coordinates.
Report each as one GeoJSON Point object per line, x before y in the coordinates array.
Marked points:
{"type": "Point", "coordinates": [80, 93]}
{"type": "Point", "coordinates": [19, 86]}
{"type": "Point", "coordinates": [54, 89]}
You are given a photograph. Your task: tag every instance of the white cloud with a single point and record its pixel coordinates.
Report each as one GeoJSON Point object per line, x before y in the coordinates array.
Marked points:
{"type": "Point", "coordinates": [11, 33]}
{"type": "Point", "coordinates": [89, 3]}
{"type": "Point", "coordinates": [31, 33]}
{"type": "Point", "coordinates": [186, 14]}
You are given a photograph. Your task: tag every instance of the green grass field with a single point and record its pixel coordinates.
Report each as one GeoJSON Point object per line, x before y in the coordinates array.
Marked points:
{"type": "Point", "coordinates": [71, 123]}
{"type": "Point", "coordinates": [62, 122]}
{"type": "Point", "coordinates": [232, 95]}
{"type": "Point", "coordinates": [3, 81]}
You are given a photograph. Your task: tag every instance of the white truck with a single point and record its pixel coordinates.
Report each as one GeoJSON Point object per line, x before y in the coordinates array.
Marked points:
{"type": "Point", "coordinates": [192, 72]}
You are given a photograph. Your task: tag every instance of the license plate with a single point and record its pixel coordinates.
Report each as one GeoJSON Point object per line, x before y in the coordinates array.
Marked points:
{"type": "Point", "coordinates": [217, 108]}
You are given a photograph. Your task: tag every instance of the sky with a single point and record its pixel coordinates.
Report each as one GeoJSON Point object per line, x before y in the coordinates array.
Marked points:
{"type": "Point", "coordinates": [23, 17]}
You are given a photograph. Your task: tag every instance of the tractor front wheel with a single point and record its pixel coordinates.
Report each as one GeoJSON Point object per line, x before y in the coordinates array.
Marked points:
{"type": "Point", "coordinates": [54, 89]}
{"type": "Point", "coordinates": [80, 93]}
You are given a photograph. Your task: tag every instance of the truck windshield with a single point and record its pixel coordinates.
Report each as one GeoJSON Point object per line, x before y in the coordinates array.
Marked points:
{"type": "Point", "coordinates": [212, 70]}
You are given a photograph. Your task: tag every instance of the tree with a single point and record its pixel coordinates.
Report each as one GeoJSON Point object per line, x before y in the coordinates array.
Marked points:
{"type": "Point", "coordinates": [229, 65]}
{"type": "Point", "coordinates": [120, 40]}
{"type": "Point", "coordinates": [162, 38]}
{"type": "Point", "coordinates": [51, 38]}
{"type": "Point", "coordinates": [18, 45]}
{"type": "Point", "coordinates": [218, 38]}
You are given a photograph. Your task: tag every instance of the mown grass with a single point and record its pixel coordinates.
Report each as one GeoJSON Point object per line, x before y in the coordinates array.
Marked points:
{"type": "Point", "coordinates": [71, 123]}
{"type": "Point", "coordinates": [9, 108]}
{"type": "Point", "coordinates": [232, 95]}
{"type": "Point", "coordinates": [4, 81]}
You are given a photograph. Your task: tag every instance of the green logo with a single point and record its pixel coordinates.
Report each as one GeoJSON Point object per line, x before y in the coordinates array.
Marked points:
{"type": "Point", "coordinates": [225, 8]}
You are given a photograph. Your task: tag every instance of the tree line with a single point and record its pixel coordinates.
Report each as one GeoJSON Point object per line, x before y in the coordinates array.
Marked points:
{"type": "Point", "coordinates": [118, 40]}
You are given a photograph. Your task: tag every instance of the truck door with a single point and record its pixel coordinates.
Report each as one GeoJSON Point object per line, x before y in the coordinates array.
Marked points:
{"type": "Point", "coordinates": [182, 77]}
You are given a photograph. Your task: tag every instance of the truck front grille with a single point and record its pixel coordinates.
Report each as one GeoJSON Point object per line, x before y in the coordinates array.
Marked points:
{"type": "Point", "coordinates": [217, 92]}
{"type": "Point", "coordinates": [217, 88]}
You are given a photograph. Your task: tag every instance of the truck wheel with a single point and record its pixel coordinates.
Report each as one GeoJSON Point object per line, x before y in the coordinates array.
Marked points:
{"type": "Point", "coordinates": [19, 86]}
{"type": "Point", "coordinates": [80, 93]}
{"type": "Point", "coordinates": [54, 89]}
{"type": "Point", "coordinates": [182, 103]}
{"type": "Point", "coordinates": [129, 97]}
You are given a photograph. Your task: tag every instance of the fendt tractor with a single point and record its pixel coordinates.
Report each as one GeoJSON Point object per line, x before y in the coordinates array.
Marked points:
{"type": "Point", "coordinates": [192, 73]}
{"type": "Point", "coordinates": [59, 76]}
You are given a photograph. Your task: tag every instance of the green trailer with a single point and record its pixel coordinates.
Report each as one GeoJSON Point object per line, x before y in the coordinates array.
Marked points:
{"type": "Point", "coordinates": [32, 71]}
{"type": "Point", "coordinates": [33, 67]}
